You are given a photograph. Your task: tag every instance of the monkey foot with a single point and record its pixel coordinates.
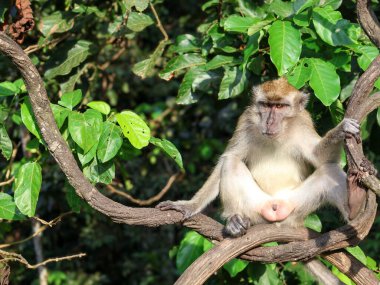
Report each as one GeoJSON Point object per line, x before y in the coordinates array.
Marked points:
{"type": "Point", "coordinates": [276, 210]}
{"type": "Point", "coordinates": [237, 226]}
{"type": "Point", "coordinates": [170, 205]}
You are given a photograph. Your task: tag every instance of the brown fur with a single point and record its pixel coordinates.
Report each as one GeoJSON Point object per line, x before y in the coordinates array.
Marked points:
{"type": "Point", "coordinates": [278, 89]}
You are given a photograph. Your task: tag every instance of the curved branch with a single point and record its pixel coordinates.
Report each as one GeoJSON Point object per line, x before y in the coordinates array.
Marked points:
{"type": "Point", "coordinates": [368, 21]}
{"type": "Point", "coordinates": [116, 211]}
{"type": "Point", "coordinates": [202, 268]}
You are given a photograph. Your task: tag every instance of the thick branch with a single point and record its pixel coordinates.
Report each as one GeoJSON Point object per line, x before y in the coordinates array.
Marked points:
{"type": "Point", "coordinates": [368, 21]}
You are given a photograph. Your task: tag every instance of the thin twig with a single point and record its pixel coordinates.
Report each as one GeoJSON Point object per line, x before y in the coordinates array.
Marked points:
{"type": "Point", "coordinates": [151, 200]}
{"type": "Point", "coordinates": [159, 24]}
{"type": "Point", "coordinates": [11, 256]}
{"type": "Point", "coordinates": [9, 181]}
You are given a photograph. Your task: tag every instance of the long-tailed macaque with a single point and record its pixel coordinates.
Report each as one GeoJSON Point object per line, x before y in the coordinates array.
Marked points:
{"type": "Point", "coordinates": [276, 168]}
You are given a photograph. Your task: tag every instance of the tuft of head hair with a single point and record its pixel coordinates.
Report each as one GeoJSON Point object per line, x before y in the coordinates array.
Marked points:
{"type": "Point", "coordinates": [279, 89]}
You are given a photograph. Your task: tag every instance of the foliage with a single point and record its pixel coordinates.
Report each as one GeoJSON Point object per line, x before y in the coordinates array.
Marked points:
{"type": "Point", "coordinates": [114, 79]}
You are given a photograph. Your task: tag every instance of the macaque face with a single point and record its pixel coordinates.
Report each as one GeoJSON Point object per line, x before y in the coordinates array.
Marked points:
{"type": "Point", "coordinates": [273, 116]}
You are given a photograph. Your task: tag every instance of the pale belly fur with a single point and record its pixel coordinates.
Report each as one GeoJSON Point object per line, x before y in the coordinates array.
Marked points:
{"type": "Point", "coordinates": [277, 173]}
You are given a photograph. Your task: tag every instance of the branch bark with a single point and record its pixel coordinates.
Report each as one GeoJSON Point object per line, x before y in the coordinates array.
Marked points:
{"type": "Point", "coordinates": [227, 248]}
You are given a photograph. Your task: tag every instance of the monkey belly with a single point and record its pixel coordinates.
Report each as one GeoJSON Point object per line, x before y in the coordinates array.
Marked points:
{"type": "Point", "coordinates": [276, 176]}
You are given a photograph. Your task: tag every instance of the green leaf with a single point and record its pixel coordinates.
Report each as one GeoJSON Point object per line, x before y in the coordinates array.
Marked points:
{"type": "Point", "coordinates": [57, 22]}
{"type": "Point", "coordinates": [301, 5]}
{"type": "Point", "coordinates": [60, 114]}
{"type": "Point", "coordinates": [235, 266]}
{"type": "Point", "coordinates": [313, 222]}
{"type": "Point", "coordinates": [324, 80]}
{"type": "Point", "coordinates": [71, 99]}
{"type": "Point", "coordinates": [219, 61]}
{"type": "Point", "coordinates": [264, 274]}
{"type": "Point", "coordinates": [330, 26]}
{"type": "Point", "coordinates": [141, 5]}
{"type": "Point", "coordinates": [185, 43]}
{"type": "Point", "coordinates": [169, 148]}
{"type": "Point", "coordinates": [190, 249]}
{"type": "Point", "coordinates": [299, 75]}
{"type": "Point", "coordinates": [285, 45]}
{"type": "Point", "coordinates": [85, 158]}
{"type": "Point", "coordinates": [8, 89]}
{"type": "Point", "coordinates": [369, 53]}
{"type": "Point", "coordinates": [134, 128]}
{"type": "Point", "coordinates": [8, 210]}
{"type": "Point", "coordinates": [100, 106]}
{"type": "Point", "coordinates": [281, 8]}
{"type": "Point", "coordinates": [145, 68]}
{"type": "Point", "coordinates": [100, 172]}
{"type": "Point", "coordinates": [302, 19]}
{"type": "Point", "coordinates": [239, 24]}
{"type": "Point", "coordinates": [358, 253]}
{"type": "Point", "coordinates": [69, 85]}
{"type": "Point", "coordinates": [335, 4]}
{"type": "Point", "coordinates": [72, 56]}
{"type": "Point", "coordinates": [74, 201]}
{"type": "Point", "coordinates": [234, 82]}
{"type": "Point", "coordinates": [27, 187]}
{"type": "Point", "coordinates": [378, 116]}
{"type": "Point", "coordinates": [259, 25]}
{"type": "Point", "coordinates": [28, 119]}
{"type": "Point", "coordinates": [6, 146]}
{"type": "Point", "coordinates": [180, 62]}
{"type": "Point", "coordinates": [252, 45]}
{"type": "Point", "coordinates": [110, 142]}
{"type": "Point", "coordinates": [342, 277]}
{"type": "Point", "coordinates": [85, 129]}
{"type": "Point", "coordinates": [138, 21]}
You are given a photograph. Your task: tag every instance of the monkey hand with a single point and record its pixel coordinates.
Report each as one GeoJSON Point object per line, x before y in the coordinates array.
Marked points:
{"type": "Point", "coordinates": [237, 226]}
{"type": "Point", "coordinates": [184, 207]}
{"type": "Point", "coordinates": [351, 128]}
{"type": "Point", "coordinates": [276, 210]}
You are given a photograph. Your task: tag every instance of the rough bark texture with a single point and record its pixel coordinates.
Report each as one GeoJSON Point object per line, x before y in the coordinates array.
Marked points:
{"type": "Point", "coordinates": [304, 244]}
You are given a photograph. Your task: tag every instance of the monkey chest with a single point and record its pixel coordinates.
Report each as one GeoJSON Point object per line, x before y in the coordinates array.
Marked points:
{"type": "Point", "coordinates": [275, 173]}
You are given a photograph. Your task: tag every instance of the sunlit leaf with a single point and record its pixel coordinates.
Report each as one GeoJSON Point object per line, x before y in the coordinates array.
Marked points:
{"type": "Point", "coordinates": [235, 266]}
{"type": "Point", "coordinates": [138, 21]}
{"type": "Point", "coordinates": [6, 146]}
{"type": "Point", "coordinates": [233, 83]}
{"type": "Point", "coordinates": [28, 119]}
{"type": "Point", "coordinates": [8, 209]}
{"type": "Point", "coordinates": [169, 148]}
{"type": "Point", "coordinates": [191, 248]}
{"type": "Point", "coordinates": [56, 22]}
{"type": "Point", "coordinates": [71, 99]}
{"type": "Point", "coordinates": [100, 106]}
{"type": "Point", "coordinates": [110, 142]}
{"type": "Point", "coordinates": [285, 45]}
{"type": "Point", "coordinates": [134, 128]}
{"type": "Point", "coordinates": [313, 222]}
{"type": "Point", "coordinates": [27, 187]}
{"type": "Point", "coordinates": [180, 62]}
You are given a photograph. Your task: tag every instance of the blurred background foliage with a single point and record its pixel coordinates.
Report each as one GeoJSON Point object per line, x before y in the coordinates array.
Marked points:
{"type": "Point", "coordinates": [119, 55]}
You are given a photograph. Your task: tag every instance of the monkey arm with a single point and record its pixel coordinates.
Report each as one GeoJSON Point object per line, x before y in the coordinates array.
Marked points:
{"type": "Point", "coordinates": [205, 195]}
{"type": "Point", "coordinates": [328, 148]}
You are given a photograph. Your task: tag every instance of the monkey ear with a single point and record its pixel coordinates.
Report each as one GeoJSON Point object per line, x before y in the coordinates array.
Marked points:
{"type": "Point", "coordinates": [304, 100]}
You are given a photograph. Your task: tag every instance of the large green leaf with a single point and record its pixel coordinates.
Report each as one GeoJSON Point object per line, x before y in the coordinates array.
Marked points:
{"type": "Point", "coordinates": [8, 209]}
{"type": "Point", "coordinates": [233, 83]}
{"type": "Point", "coordinates": [299, 75]}
{"type": "Point", "coordinates": [134, 128]}
{"type": "Point", "coordinates": [219, 61]}
{"type": "Point", "coordinates": [285, 45]}
{"type": "Point", "coordinates": [85, 158]}
{"type": "Point", "coordinates": [138, 21]}
{"type": "Point", "coordinates": [72, 55]}
{"type": "Point", "coordinates": [60, 114]}
{"type": "Point", "coordinates": [324, 80]}
{"type": "Point", "coordinates": [283, 9]}
{"type": "Point", "coordinates": [85, 129]}
{"type": "Point", "coordinates": [185, 43]}
{"type": "Point", "coordinates": [110, 142]}
{"type": "Point", "coordinates": [252, 45]}
{"type": "Point", "coordinates": [301, 5]}
{"type": "Point", "coordinates": [256, 27]}
{"type": "Point", "coordinates": [98, 172]}
{"type": "Point", "coordinates": [358, 253]}
{"type": "Point", "coordinates": [313, 222]}
{"type": "Point", "coordinates": [100, 106]}
{"type": "Point", "coordinates": [57, 22]}
{"type": "Point", "coordinates": [28, 119]}
{"type": "Point", "coordinates": [27, 187]}
{"type": "Point", "coordinates": [169, 148]}
{"type": "Point", "coordinates": [235, 266]}
{"type": "Point", "coordinates": [8, 89]}
{"type": "Point", "coordinates": [71, 99]}
{"type": "Point", "coordinates": [180, 62]}
{"type": "Point", "coordinates": [190, 249]}
{"type": "Point", "coordinates": [237, 23]}
{"type": "Point", "coordinates": [330, 26]}
{"type": "Point", "coordinates": [369, 53]}
{"type": "Point", "coordinates": [6, 146]}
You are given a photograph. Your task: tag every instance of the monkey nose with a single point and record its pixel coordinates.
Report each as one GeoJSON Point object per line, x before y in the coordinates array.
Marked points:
{"type": "Point", "coordinates": [274, 207]}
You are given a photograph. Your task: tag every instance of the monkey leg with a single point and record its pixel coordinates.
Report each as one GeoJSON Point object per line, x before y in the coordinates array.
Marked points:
{"type": "Point", "coordinates": [326, 185]}
{"type": "Point", "coordinates": [241, 197]}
